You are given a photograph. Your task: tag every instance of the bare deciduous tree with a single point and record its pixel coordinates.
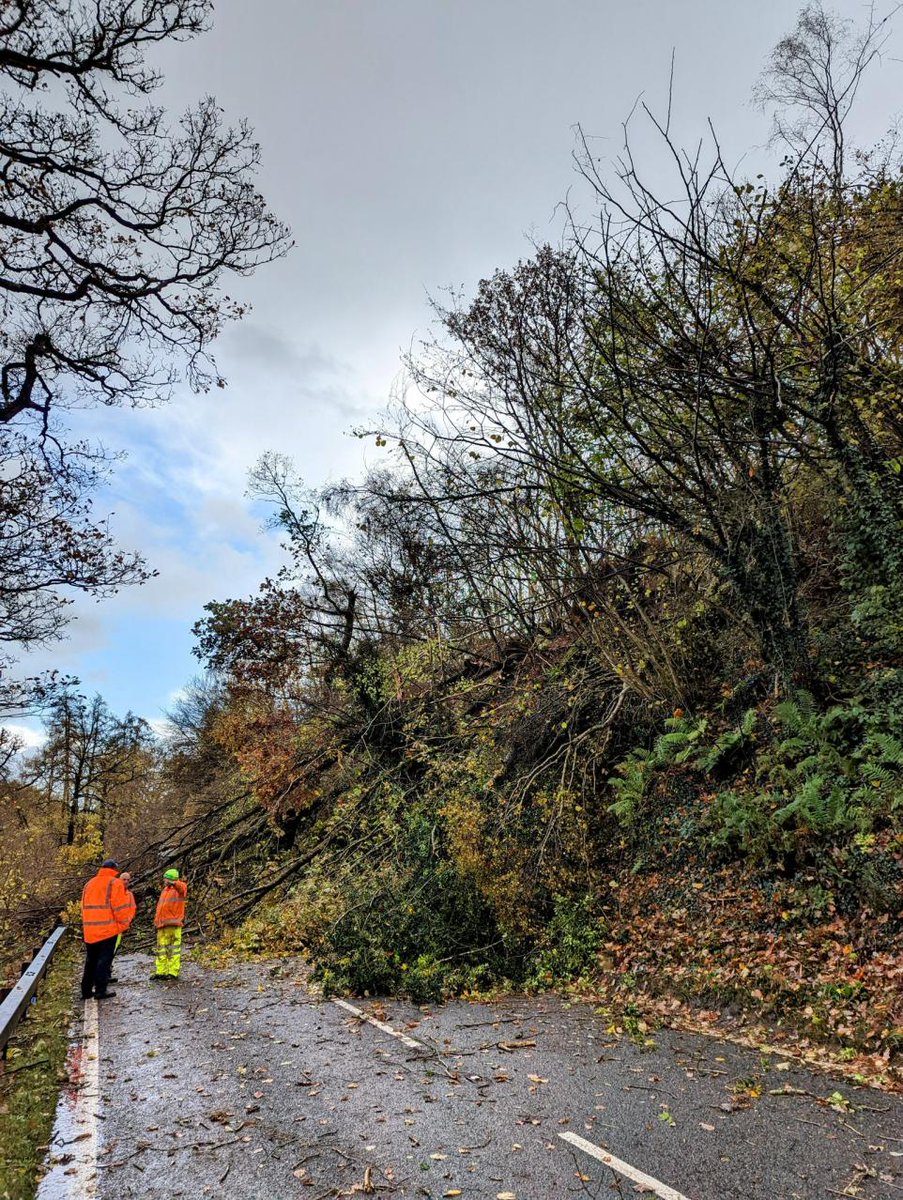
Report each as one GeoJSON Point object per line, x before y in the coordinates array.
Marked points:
{"type": "Point", "coordinates": [115, 227]}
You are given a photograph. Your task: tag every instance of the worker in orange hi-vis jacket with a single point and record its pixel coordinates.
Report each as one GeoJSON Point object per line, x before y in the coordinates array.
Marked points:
{"type": "Point", "coordinates": [169, 919]}
{"type": "Point", "coordinates": [106, 913]}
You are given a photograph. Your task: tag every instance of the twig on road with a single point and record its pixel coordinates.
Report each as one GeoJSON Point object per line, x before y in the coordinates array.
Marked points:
{"type": "Point", "coordinates": [170, 1150]}
{"type": "Point", "coordinates": [818, 1124]}
{"type": "Point", "coordinates": [478, 1146]}
{"type": "Point", "coordinates": [585, 1180]}
{"type": "Point", "coordinates": [270, 1004]}
{"type": "Point", "coordinates": [497, 1021]}
{"type": "Point", "coordinates": [308, 1158]}
{"type": "Point", "coordinates": [348, 1157]}
{"type": "Point", "coordinates": [885, 1137]}
{"type": "Point", "coordinates": [642, 1087]}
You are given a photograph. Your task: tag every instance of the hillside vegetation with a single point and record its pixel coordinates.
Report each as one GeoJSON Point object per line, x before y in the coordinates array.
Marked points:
{"type": "Point", "coordinates": [600, 675]}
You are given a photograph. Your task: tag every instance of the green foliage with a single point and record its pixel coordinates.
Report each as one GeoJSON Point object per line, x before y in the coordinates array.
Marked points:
{"type": "Point", "coordinates": [802, 778]}
{"type": "Point", "coordinates": [684, 745]}
{"type": "Point", "coordinates": [414, 924]}
{"type": "Point", "coordinates": [425, 933]}
{"type": "Point", "coordinates": [568, 950]}
{"type": "Point", "coordinates": [878, 617]}
{"type": "Point", "coordinates": [729, 747]}
{"type": "Point", "coordinates": [678, 747]}
{"type": "Point", "coordinates": [834, 772]}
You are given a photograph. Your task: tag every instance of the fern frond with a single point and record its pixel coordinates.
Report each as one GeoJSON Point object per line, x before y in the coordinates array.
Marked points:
{"type": "Point", "coordinates": [889, 748]}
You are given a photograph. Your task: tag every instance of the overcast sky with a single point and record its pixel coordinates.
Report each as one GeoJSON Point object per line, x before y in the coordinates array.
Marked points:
{"type": "Point", "coordinates": [411, 145]}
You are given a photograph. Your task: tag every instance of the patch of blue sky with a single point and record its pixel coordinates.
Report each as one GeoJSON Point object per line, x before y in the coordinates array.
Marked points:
{"type": "Point", "coordinates": [144, 661]}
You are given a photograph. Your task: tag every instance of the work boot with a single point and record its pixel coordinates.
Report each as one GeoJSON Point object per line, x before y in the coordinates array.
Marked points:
{"type": "Point", "coordinates": [157, 976]}
{"type": "Point", "coordinates": [112, 980]}
{"type": "Point", "coordinates": [104, 995]}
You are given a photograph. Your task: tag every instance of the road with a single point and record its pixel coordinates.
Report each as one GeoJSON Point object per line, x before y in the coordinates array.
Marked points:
{"type": "Point", "coordinates": [239, 1083]}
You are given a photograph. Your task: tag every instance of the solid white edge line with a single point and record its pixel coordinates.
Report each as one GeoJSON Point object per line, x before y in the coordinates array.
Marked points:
{"type": "Point", "coordinates": [90, 1095]}
{"type": "Point", "coordinates": [395, 1033]}
{"type": "Point", "coordinates": [616, 1164]}
{"type": "Point", "coordinates": [75, 1140]}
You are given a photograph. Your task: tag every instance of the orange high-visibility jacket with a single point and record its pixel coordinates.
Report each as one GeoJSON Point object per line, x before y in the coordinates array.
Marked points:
{"type": "Point", "coordinates": [132, 907]}
{"type": "Point", "coordinates": [171, 905]}
{"type": "Point", "coordinates": [106, 910]}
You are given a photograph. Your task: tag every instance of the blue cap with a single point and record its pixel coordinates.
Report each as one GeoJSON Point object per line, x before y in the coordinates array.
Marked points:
{"type": "Point", "coordinates": [110, 862]}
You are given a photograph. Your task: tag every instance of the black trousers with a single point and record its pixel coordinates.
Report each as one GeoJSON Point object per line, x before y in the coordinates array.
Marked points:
{"type": "Point", "coordinates": [98, 963]}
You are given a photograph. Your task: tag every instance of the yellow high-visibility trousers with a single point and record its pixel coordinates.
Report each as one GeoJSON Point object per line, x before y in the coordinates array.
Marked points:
{"type": "Point", "coordinates": [169, 952]}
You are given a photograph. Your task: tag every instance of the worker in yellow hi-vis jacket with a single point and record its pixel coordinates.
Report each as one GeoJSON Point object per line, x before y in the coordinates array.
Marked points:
{"type": "Point", "coordinates": [169, 919]}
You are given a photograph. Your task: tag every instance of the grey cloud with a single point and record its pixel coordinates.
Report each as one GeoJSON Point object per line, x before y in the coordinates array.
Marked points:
{"type": "Point", "coordinates": [267, 347]}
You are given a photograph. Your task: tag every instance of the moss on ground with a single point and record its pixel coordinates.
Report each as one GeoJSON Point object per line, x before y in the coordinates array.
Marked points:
{"type": "Point", "coordinates": [30, 1086]}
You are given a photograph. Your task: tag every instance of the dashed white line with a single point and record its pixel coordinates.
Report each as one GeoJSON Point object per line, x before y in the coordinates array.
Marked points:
{"type": "Point", "coordinates": [623, 1168]}
{"type": "Point", "coordinates": [395, 1033]}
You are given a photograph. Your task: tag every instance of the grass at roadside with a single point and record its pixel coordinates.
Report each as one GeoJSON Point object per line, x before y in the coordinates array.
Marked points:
{"type": "Point", "coordinates": [31, 1084]}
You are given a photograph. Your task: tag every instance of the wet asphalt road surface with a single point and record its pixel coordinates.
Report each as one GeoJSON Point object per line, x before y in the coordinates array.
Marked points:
{"type": "Point", "coordinates": [238, 1083]}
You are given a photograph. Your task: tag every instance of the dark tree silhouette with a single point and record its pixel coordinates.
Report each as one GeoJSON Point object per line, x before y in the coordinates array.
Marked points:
{"type": "Point", "coordinates": [117, 227]}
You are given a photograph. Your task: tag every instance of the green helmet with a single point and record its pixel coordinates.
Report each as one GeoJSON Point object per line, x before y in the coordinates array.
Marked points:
{"type": "Point", "coordinates": [172, 873]}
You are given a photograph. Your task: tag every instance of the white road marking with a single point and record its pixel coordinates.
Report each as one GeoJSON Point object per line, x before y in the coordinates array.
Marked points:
{"type": "Point", "coordinates": [75, 1132]}
{"type": "Point", "coordinates": [395, 1033]}
{"type": "Point", "coordinates": [623, 1168]}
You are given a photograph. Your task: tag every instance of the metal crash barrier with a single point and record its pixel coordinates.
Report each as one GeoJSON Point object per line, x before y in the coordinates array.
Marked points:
{"type": "Point", "coordinates": [16, 1002]}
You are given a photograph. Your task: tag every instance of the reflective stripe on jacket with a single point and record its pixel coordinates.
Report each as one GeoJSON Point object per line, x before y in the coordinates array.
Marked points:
{"type": "Point", "coordinates": [106, 910]}
{"type": "Point", "coordinates": [171, 905]}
